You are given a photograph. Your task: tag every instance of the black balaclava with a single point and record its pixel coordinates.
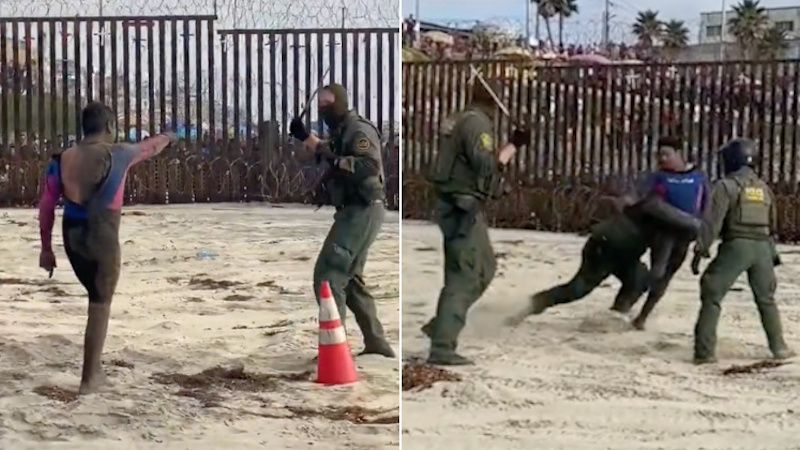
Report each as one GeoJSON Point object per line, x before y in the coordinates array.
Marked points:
{"type": "Point", "coordinates": [334, 113]}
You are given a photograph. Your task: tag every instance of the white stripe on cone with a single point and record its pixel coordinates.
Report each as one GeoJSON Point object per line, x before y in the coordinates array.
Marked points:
{"type": "Point", "coordinates": [333, 336]}
{"type": "Point", "coordinates": [328, 312]}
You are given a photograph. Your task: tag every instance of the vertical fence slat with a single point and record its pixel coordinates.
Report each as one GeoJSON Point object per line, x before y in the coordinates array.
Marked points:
{"type": "Point", "coordinates": [198, 93]}
{"type": "Point", "coordinates": [173, 30]}
{"type": "Point", "coordinates": [17, 88]}
{"type": "Point", "coordinates": [295, 72]}
{"type": "Point", "coordinates": [309, 87]}
{"type": "Point", "coordinates": [356, 89]}
{"type": "Point", "coordinates": [138, 78]}
{"type": "Point", "coordinates": [103, 43]}
{"type": "Point", "coordinates": [4, 130]}
{"type": "Point", "coordinates": [224, 61]}
{"type": "Point", "coordinates": [260, 83]}
{"type": "Point", "coordinates": [187, 75]}
{"type": "Point", "coordinates": [773, 105]}
{"type": "Point", "coordinates": [90, 60]}
{"type": "Point", "coordinates": [40, 81]}
{"type": "Point", "coordinates": [320, 72]}
{"type": "Point", "coordinates": [28, 39]}
{"type": "Point", "coordinates": [284, 85]}
{"type": "Point", "coordinates": [211, 39]}
{"type": "Point", "coordinates": [380, 80]}
{"type": "Point", "coordinates": [273, 97]}
{"type": "Point", "coordinates": [795, 101]}
{"type": "Point", "coordinates": [64, 86]}
{"type": "Point", "coordinates": [393, 85]}
{"type": "Point", "coordinates": [78, 96]}
{"type": "Point", "coordinates": [407, 115]}
{"type": "Point", "coordinates": [248, 88]}
{"type": "Point", "coordinates": [368, 75]}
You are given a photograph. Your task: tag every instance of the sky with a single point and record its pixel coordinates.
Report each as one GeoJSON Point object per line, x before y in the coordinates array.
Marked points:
{"type": "Point", "coordinates": [586, 26]}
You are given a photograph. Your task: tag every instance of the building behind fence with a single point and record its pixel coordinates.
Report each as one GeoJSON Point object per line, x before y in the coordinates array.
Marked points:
{"type": "Point", "coordinates": [229, 93]}
{"type": "Point", "coordinates": [596, 128]}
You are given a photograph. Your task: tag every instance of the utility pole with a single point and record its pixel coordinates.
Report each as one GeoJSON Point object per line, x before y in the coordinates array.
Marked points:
{"type": "Point", "coordinates": [528, 23]}
{"type": "Point", "coordinates": [417, 28]}
{"type": "Point", "coordinates": [606, 23]}
{"type": "Point", "coordinates": [722, 33]}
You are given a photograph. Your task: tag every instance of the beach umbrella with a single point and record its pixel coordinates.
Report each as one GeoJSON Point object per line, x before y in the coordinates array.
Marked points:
{"type": "Point", "coordinates": [414, 55]}
{"type": "Point", "coordinates": [517, 53]}
{"type": "Point", "coordinates": [439, 37]}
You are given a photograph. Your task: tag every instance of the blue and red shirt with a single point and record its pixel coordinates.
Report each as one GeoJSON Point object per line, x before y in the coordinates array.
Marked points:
{"type": "Point", "coordinates": [687, 190]}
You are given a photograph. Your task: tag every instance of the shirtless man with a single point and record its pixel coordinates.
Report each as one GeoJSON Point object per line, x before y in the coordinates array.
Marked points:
{"type": "Point", "coordinates": [91, 177]}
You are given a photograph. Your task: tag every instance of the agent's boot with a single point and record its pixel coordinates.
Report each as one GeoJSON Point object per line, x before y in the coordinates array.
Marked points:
{"type": "Point", "coordinates": [378, 346]}
{"type": "Point", "coordinates": [439, 358]}
{"type": "Point", "coordinates": [699, 360]}
{"type": "Point", "coordinates": [93, 377]}
{"type": "Point", "coordinates": [784, 353]}
{"type": "Point", "coordinates": [538, 304]}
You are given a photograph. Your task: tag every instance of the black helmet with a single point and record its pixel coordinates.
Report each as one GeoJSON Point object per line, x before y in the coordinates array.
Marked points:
{"type": "Point", "coordinates": [737, 153]}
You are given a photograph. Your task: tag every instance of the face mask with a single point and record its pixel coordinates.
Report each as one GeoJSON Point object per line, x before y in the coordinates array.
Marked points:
{"type": "Point", "coordinates": [329, 116]}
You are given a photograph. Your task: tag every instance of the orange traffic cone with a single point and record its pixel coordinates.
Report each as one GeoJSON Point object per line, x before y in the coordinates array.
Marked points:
{"type": "Point", "coordinates": [335, 363]}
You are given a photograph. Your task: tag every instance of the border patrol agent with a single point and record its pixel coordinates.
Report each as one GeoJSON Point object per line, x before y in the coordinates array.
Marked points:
{"type": "Point", "coordinates": [743, 214]}
{"type": "Point", "coordinates": [355, 183]}
{"type": "Point", "coordinates": [466, 173]}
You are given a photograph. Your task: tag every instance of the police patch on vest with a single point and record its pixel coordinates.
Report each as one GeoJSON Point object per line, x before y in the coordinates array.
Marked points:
{"type": "Point", "coordinates": [486, 141]}
{"type": "Point", "coordinates": [754, 194]}
{"type": "Point", "coordinates": [362, 144]}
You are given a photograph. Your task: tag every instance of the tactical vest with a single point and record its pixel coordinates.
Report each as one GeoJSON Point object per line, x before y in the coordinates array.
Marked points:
{"type": "Point", "coordinates": [451, 172]}
{"type": "Point", "coordinates": [749, 215]}
{"type": "Point", "coordinates": [343, 191]}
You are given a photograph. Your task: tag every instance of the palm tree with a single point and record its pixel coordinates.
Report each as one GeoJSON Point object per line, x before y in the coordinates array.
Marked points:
{"type": "Point", "coordinates": [565, 10]}
{"type": "Point", "coordinates": [547, 9]}
{"type": "Point", "coordinates": [773, 43]}
{"type": "Point", "coordinates": [676, 37]}
{"type": "Point", "coordinates": [748, 24]}
{"type": "Point", "coordinates": [648, 29]}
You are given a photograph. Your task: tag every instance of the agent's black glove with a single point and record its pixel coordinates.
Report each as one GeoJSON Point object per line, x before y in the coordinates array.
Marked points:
{"type": "Point", "coordinates": [521, 137]}
{"type": "Point", "coordinates": [297, 129]}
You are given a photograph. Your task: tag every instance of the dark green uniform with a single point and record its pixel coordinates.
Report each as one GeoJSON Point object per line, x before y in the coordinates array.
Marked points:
{"type": "Point", "coordinates": [614, 248]}
{"type": "Point", "coordinates": [465, 175]}
{"type": "Point", "coordinates": [356, 190]}
{"type": "Point", "coordinates": [743, 214]}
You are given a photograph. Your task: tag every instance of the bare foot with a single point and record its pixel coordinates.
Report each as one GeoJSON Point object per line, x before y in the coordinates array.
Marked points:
{"type": "Point", "coordinates": [93, 383]}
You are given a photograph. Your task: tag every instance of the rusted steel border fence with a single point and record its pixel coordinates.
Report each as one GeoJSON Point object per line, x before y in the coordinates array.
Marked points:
{"type": "Point", "coordinates": [229, 93]}
{"type": "Point", "coordinates": [595, 128]}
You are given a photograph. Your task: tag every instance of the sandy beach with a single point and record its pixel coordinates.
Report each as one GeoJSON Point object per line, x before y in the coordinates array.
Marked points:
{"type": "Point", "coordinates": [175, 314]}
{"type": "Point", "coordinates": [579, 377]}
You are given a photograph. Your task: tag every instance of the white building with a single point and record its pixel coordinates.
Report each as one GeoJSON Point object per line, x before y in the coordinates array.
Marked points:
{"type": "Point", "coordinates": [787, 18]}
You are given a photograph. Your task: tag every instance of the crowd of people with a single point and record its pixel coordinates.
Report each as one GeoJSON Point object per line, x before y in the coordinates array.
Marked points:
{"type": "Point", "coordinates": [464, 46]}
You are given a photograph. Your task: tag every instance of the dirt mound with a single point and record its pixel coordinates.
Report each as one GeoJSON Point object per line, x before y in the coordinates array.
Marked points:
{"type": "Point", "coordinates": [234, 379]}
{"type": "Point", "coordinates": [420, 376]}
{"type": "Point", "coordinates": [56, 393]}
